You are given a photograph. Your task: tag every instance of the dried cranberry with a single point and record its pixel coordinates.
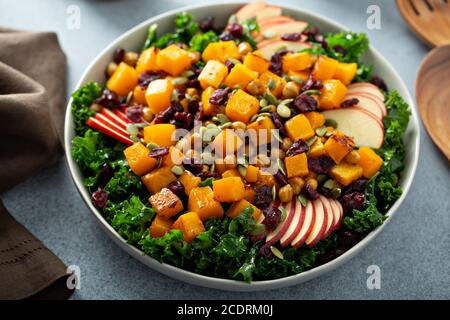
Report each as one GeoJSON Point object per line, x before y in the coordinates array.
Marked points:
{"type": "Point", "coordinates": [276, 61]}
{"type": "Point", "coordinates": [357, 186]}
{"type": "Point", "coordinates": [193, 166]}
{"type": "Point", "coordinates": [207, 174]}
{"type": "Point", "coordinates": [330, 255]}
{"type": "Point", "coordinates": [134, 113]}
{"type": "Point", "coordinates": [235, 29]}
{"type": "Point", "coordinates": [226, 36]}
{"type": "Point", "coordinates": [99, 198]}
{"type": "Point", "coordinates": [291, 36]}
{"type": "Point", "coordinates": [351, 201]}
{"type": "Point", "coordinates": [321, 164]}
{"type": "Point", "coordinates": [118, 55]}
{"type": "Point", "coordinates": [281, 178]}
{"type": "Point", "coordinates": [325, 191]}
{"type": "Point", "coordinates": [219, 96]}
{"type": "Point", "coordinates": [148, 76]}
{"type": "Point", "coordinates": [164, 116]}
{"type": "Point", "coordinates": [321, 39]}
{"type": "Point", "coordinates": [297, 147]}
{"type": "Point", "coordinates": [263, 197]}
{"type": "Point", "coordinates": [177, 188]}
{"type": "Point", "coordinates": [198, 116]}
{"type": "Point", "coordinates": [311, 33]}
{"type": "Point", "coordinates": [340, 49]}
{"type": "Point", "coordinates": [193, 106]}
{"type": "Point", "coordinates": [185, 119]}
{"type": "Point", "coordinates": [312, 84]}
{"type": "Point", "coordinates": [159, 152]}
{"type": "Point", "coordinates": [207, 23]}
{"type": "Point", "coordinates": [305, 103]}
{"type": "Point", "coordinates": [106, 174]}
{"type": "Point", "coordinates": [229, 64]}
{"type": "Point", "coordinates": [349, 103]}
{"type": "Point", "coordinates": [279, 124]}
{"type": "Point", "coordinates": [265, 251]}
{"type": "Point", "coordinates": [176, 106]}
{"type": "Point", "coordinates": [193, 83]}
{"type": "Point", "coordinates": [310, 192]}
{"type": "Point", "coordinates": [108, 99]}
{"type": "Point", "coordinates": [272, 217]}
{"type": "Point", "coordinates": [379, 82]}
{"type": "Point", "coordinates": [347, 239]}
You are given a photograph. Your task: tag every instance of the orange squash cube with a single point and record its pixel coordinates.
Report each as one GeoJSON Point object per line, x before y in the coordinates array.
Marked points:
{"type": "Point", "coordinates": [302, 75]}
{"type": "Point", "coordinates": [324, 68]}
{"type": "Point", "coordinates": [338, 146]}
{"type": "Point", "coordinates": [202, 200]}
{"type": "Point", "coordinates": [267, 77]}
{"type": "Point", "coordinates": [208, 108]}
{"type": "Point", "coordinates": [158, 179]}
{"type": "Point", "coordinates": [212, 75]}
{"type": "Point", "coordinates": [123, 80]}
{"type": "Point", "coordinates": [249, 193]}
{"type": "Point", "coordinates": [265, 179]}
{"type": "Point", "coordinates": [345, 72]}
{"type": "Point", "coordinates": [264, 124]}
{"type": "Point", "coordinates": [160, 226]}
{"type": "Point", "coordinates": [189, 181]}
{"type": "Point", "coordinates": [299, 127]}
{"type": "Point", "coordinates": [139, 95]}
{"type": "Point", "coordinates": [173, 60]}
{"type": "Point", "coordinates": [345, 173]}
{"type": "Point", "coordinates": [252, 174]}
{"type": "Point", "coordinates": [174, 158]}
{"type": "Point", "coordinates": [237, 207]}
{"type": "Point", "coordinates": [231, 173]}
{"type": "Point", "coordinates": [333, 94]}
{"type": "Point", "coordinates": [226, 142]}
{"type": "Point", "coordinates": [190, 224]}
{"type": "Point", "coordinates": [138, 159]}
{"type": "Point", "coordinates": [317, 149]}
{"type": "Point", "coordinates": [221, 51]}
{"type": "Point", "coordinates": [369, 161]}
{"type": "Point", "coordinates": [147, 60]}
{"type": "Point", "coordinates": [296, 166]}
{"type": "Point", "coordinates": [240, 75]}
{"type": "Point", "coordinates": [229, 189]}
{"type": "Point", "coordinates": [160, 133]}
{"type": "Point", "coordinates": [256, 63]}
{"type": "Point", "coordinates": [241, 106]}
{"type": "Point", "coordinates": [297, 61]}
{"type": "Point", "coordinates": [159, 94]}
{"type": "Point", "coordinates": [166, 203]}
{"type": "Point", "coordinates": [316, 119]}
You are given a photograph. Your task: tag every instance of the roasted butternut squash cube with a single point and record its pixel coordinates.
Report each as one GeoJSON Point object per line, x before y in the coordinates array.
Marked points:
{"type": "Point", "coordinates": [324, 68]}
{"type": "Point", "coordinates": [369, 161]}
{"type": "Point", "coordinates": [160, 133]}
{"type": "Point", "coordinates": [256, 63]}
{"type": "Point", "coordinates": [190, 224]}
{"type": "Point", "coordinates": [138, 159]}
{"type": "Point", "coordinates": [345, 173]}
{"type": "Point", "coordinates": [252, 173]}
{"type": "Point", "coordinates": [147, 60]}
{"type": "Point", "coordinates": [166, 203]}
{"type": "Point", "coordinates": [226, 142]}
{"type": "Point", "coordinates": [316, 119]}
{"type": "Point", "coordinates": [345, 72]}
{"type": "Point", "coordinates": [249, 193]}
{"type": "Point", "coordinates": [231, 173]}
{"type": "Point", "coordinates": [189, 181]}
{"type": "Point", "coordinates": [229, 189]}
{"type": "Point", "coordinates": [173, 60]}
{"type": "Point", "coordinates": [123, 80]}
{"type": "Point", "coordinates": [265, 179]}
{"type": "Point", "coordinates": [279, 83]}
{"type": "Point", "coordinates": [338, 146]}
{"type": "Point", "coordinates": [333, 94]}
{"type": "Point", "coordinates": [158, 179]}
{"type": "Point", "coordinates": [239, 206]}
{"type": "Point", "coordinates": [302, 75]}
{"type": "Point", "coordinates": [261, 125]}
{"type": "Point", "coordinates": [299, 127]}
{"type": "Point", "coordinates": [296, 166]}
{"type": "Point", "coordinates": [317, 149]}
{"type": "Point", "coordinates": [160, 226]}
{"type": "Point", "coordinates": [221, 51]}
{"type": "Point", "coordinates": [241, 106]}
{"type": "Point", "coordinates": [297, 61]}
{"type": "Point", "coordinates": [240, 75]}
{"type": "Point", "coordinates": [202, 200]}
{"type": "Point", "coordinates": [174, 158]}
{"type": "Point", "coordinates": [159, 94]}
{"type": "Point", "coordinates": [208, 108]}
{"type": "Point", "coordinates": [139, 95]}
{"type": "Point", "coordinates": [213, 74]}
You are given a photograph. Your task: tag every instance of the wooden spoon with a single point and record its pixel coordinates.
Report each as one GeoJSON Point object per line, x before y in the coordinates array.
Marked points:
{"type": "Point", "coordinates": [429, 19]}
{"type": "Point", "coordinates": [433, 96]}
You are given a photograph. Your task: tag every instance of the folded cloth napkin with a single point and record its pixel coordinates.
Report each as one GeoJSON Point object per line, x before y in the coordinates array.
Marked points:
{"type": "Point", "coordinates": [32, 94]}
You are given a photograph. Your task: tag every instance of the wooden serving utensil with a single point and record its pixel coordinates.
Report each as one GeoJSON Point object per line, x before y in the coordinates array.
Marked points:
{"type": "Point", "coordinates": [429, 19]}
{"type": "Point", "coordinates": [433, 96]}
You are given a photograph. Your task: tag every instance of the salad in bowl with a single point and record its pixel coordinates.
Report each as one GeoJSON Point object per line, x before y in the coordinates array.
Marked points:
{"type": "Point", "coordinates": [251, 151]}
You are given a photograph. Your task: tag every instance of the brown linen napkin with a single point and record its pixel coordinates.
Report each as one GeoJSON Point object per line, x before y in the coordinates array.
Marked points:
{"type": "Point", "coordinates": [32, 95]}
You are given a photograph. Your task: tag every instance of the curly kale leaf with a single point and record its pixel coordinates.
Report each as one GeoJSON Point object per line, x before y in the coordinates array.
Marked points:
{"type": "Point", "coordinates": [354, 44]}
{"type": "Point", "coordinates": [201, 40]}
{"type": "Point", "coordinates": [81, 101]}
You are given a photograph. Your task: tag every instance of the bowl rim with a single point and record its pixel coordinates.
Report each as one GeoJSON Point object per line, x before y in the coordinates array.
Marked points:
{"type": "Point", "coordinates": [222, 283]}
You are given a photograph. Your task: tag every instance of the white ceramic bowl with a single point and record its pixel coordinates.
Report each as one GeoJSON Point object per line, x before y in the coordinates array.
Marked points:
{"type": "Point", "coordinates": [134, 39]}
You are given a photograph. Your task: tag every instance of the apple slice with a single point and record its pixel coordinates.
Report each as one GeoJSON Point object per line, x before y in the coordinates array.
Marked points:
{"type": "Point", "coordinates": [283, 226]}
{"type": "Point", "coordinates": [320, 224]}
{"type": "Point", "coordinates": [268, 12]}
{"type": "Point", "coordinates": [274, 20]}
{"type": "Point", "coordinates": [104, 128]}
{"type": "Point", "coordinates": [341, 214]}
{"type": "Point", "coordinates": [114, 118]}
{"type": "Point", "coordinates": [307, 226]}
{"type": "Point", "coordinates": [268, 48]}
{"type": "Point", "coordinates": [108, 122]}
{"type": "Point", "coordinates": [360, 124]}
{"type": "Point", "coordinates": [250, 10]}
{"type": "Point", "coordinates": [367, 87]}
{"type": "Point", "coordinates": [278, 29]}
{"type": "Point", "coordinates": [296, 224]}
{"type": "Point", "coordinates": [336, 212]}
{"type": "Point", "coordinates": [368, 103]}
{"type": "Point", "coordinates": [121, 115]}
{"type": "Point", "coordinates": [263, 234]}
{"type": "Point", "coordinates": [330, 216]}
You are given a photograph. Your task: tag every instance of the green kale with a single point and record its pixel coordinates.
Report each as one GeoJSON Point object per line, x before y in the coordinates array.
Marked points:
{"type": "Point", "coordinates": [123, 182]}
{"type": "Point", "coordinates": [244, 223]}
{"type": "Point", "coordinates": [354, 44]}
{"type": "Point", "coordinates": [363, 73]}
{"type": "Point", "coordinates": [250, 26]}
{"type": "Point", "coordinates": [201, 40]}
{"type": "Point", "coordinates": [81, 101]}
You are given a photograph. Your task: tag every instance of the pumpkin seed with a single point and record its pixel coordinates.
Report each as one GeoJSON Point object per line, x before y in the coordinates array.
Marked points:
{"type": "Point", "coordinates": [210, 134]}
{"type": "Point", "coordinates": [233, 19]}
{"type": "Point", "coordinates": [174, 96]}
{"type": "Point", "coordinates": [330, 184]}
{"type": "Point", "coordinates": [258, 229]}
{"type": "Point", "coordinates": [321, 178]}
{"type": "Point", "coordinates": [311, 141]}
{"type": "Point", "coordinates": [177, 170]}
{"type": "Point", "coordinates": [281, 166]}
{"type": "Point", "coordinates": [134, 138]}
{"type": "Point", "coordinates": [179, 81]}
{"type": "Point", "coordinates": [286, 101]}
{"type": "Point", "coordinates": [297, 79]}
{"type": "Point", "coordinates": [129, 97]}
{"type": "Point", "coordinates": [302, 199]}
{"type": "Point", "coordinates": [187, 73]}
{"type": "Point", "coordinates": [286, 78]}
{"type": "Point", "coordinates": [132, 129]}
{"type": "Point", "coordinates": [271, 84]}
{"type": "Point", "coordinates": [263, 103]}
{"type": "Point", "coordinates": [242, 161]}
{"type": "Point", "coordinates": [277, 253]}
{"type": "Point", "coordinates": [336, 192]}
{"type": "Point", "coordinates": [320, 131]}
{"type": "Point", "coordinates": [159, 162]}
{"type": "Point", "coordinates": [234, 61]}
{"type": "Point", "coordinates": [271, 99]}
{"type": "Point", "coordinates": [269, 34]}
{"type": "Point", "coordinates": [152, 145]}
{"type": "Point", "coordinates": [274, 193]}
{"type": "Point", "coordinates": [254, 117]}
{"type": "Point", "coordinates": [242, 170]}
{"type": "Point", "coordinates": [329, 134]}
{"type": "Point", "coordinates": [225, 125]}
{"type": "Point", "coordinates": [266, 108]}
{"type": "Point", "coordinates": [264, 114]}
{"type": "Point", "coordinates": [283, 111]}
{"type": "Point", "coordinates": [313, 92]}
{"type": "Point", "coordinates": [283, 213]}
{"type": "Point", "coordinates": [222, 118]}
{"type": "Point", "coordinates": [211, 126]}
{"type": "Point", "coordinates": [331, 123]}
{"type": "Point", "coordinates": [239, 125]}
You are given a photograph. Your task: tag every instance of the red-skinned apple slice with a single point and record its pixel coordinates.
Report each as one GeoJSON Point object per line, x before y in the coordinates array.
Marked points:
{"type": "Point", "coordinates": [281, 28]}
{"type": "Point", "coordinates": [104, 128]}
{"type": "Point", "coordinates": [360, 124]}
{"type": "Point", "coordinates": [330, 216]}
{"type": "Point", "coordinates": [263, 234]}
{"type": "Point", "coordinates": [320, 224]}
{"type": "Point", "coordinates": [268, 12]}
{"type": "Point", "coordinates": [102, 118]}
{"type": "Point", "coordinates": [336, 212]}
{"type": "Point", "coordinates": [367, 87]}
{"type": "Point", "coordinates": [282, 227]}
{"type": "Point", "coordinates": [368, 103]}
{"type": "Point", "coordinates": [114, 118]}
{"type": "Point", "coordinates": [274, 20]}
{"type": "Point", "coordinates": [250, 10]}
{"type": "Point", "coordinates": [307, 226]}
{"type": "Point", "coordinates": [268, 48]}
{"type": "Point", "coordinates": [341, 214]}
{"type": "Point", "coordinates": [296, 224]}
{"type": "Point", "coordinates": [121, 115]}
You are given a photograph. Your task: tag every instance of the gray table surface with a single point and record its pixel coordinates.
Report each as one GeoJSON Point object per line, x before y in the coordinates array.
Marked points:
{"type": "Point", "coordinates": [412, 251]}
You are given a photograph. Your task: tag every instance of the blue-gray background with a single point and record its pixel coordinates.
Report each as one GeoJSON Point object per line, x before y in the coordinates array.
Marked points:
{"type": "Point", "coordinates": [412, 251]}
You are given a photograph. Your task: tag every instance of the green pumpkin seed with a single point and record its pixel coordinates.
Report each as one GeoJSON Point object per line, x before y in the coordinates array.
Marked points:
{"type": "Point", "coordinates": [132, 129]}
{"type": "Point", "coordinates": [331, 123]}
{"type": "Point", "coordinates": [271, 99]}
{"type": "Point", "coordinates": [239, 125]}
{"type": "Point", "coordinates": [263, 103]}
{"type": "Point", "coordinates": [159, 162]}
{"type": "Point", "coordinates": [283, 213]}
{"type": "Point", "coordinates": [242, 161]}
{"type": "Point", "coordinates": [152, 145]}
{"type": "Point", "coordinates": [281, 166]}
{"type": "Point", "coordinates": [266, 109]}
{"type": "Point", "coordinates": [187, 73]}
{"type": "Point", "coordinates": [313, 92]}
{"type": "Point", "coordinates": [235, 61]}
{"type": "Point", "coordinates": [264, 114]}
{"type": "Point", "coordinates": [222, 118]}
{"type": "Point", "coordinates": [330, 184]}
{"type": "Point", "coordinates": [286, 101]}
{"type": "Point", "coordinates": [174, 96]}
{"type": "Point", "coordinates": [321, 178]}
{"type": "Point", "coordinates": [320, 131]}
{"type": "Point", "coordinates": [297, 79]}
{"type": "Point", "coordinates": [254, 117]}
{"type": "Point", "coordinates": [283, 111]}
{"type": "Point", "coordinates": [177, 170]}
{"type": "Point", "coordinates": [211, 126]}
{"type": "Point", "coordinates": [225, 125]}
{"type": "Point", "coordinates": [277, 253]}
{"type": "Point", "coordinates": [269, 34]}
{"type": "Point", "coordinates": [129, 97]}
{"type": "Point", "coordinates": [302, 199]}
{"type": "Point", "coordinates": [179, 81]}
{"type": "Point", "coordinates": [233, 19]}
{"type": "Point", "coordinates": [134, 138]}
{"type": "Point", "coordinates": [271, 84]}
{"type": "Point", "coordinates": [210, 134]}
{"type": "Point", "coordinates": [311, 141]}
{"type": "Point", "coordinates": [242, 170]}
{"type": "Point", "coordinates": [258, 229]}
{"type": "Point", "coordinates": [336, 192]}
